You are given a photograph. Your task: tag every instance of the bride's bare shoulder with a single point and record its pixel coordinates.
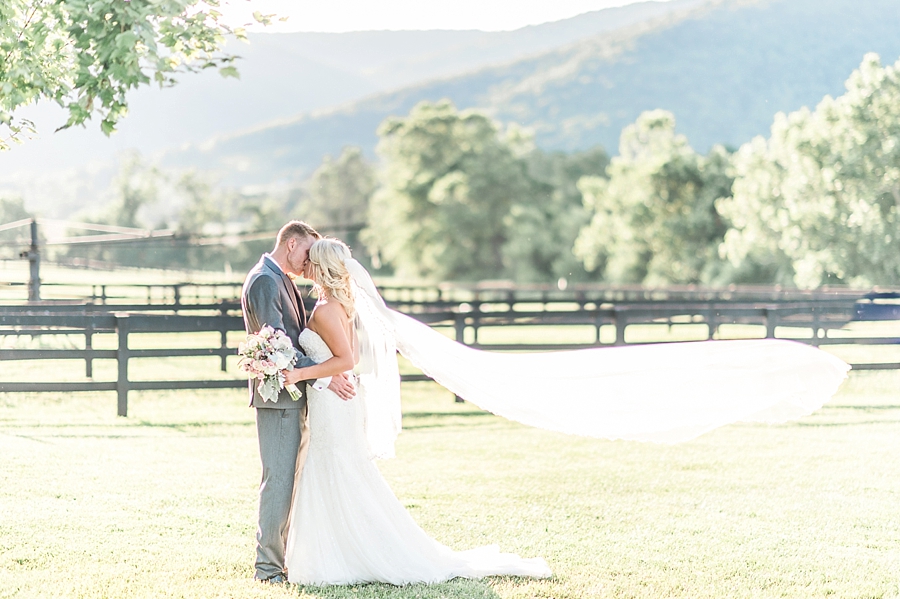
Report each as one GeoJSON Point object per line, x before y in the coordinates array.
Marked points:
{"type": "Point", "coordinates": [328, 313]}
{"type": "Point", "coordinates": [330, 309]}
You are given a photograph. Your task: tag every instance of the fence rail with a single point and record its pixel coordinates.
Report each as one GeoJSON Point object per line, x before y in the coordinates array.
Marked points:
{"type": "Point", "coordinates": [450, 294]}
{"type": "Point", "coordinates": [469, 311]}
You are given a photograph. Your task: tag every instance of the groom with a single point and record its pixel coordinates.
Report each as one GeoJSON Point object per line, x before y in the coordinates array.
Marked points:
{"type": "Point", "coordinates": [269, 297]}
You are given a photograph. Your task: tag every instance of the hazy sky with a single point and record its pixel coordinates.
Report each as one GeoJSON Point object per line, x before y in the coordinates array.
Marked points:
{"type": "Point", "coordinates": [360, 15]}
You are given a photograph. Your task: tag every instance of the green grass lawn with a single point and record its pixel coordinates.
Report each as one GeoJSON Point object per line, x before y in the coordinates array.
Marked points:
{"type": "Point", "coordinates": [162, 504]}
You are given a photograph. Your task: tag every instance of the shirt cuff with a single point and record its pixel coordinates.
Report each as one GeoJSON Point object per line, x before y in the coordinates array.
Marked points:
{"type": "Point", "coordinates": [322, 383]}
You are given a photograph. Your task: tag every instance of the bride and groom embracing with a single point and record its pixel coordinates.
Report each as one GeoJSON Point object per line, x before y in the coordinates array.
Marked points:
{"type": "Point", "coordinates": [326, 516]}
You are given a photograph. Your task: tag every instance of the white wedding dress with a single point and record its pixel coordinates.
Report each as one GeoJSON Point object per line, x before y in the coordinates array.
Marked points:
{"type": "Point", "coordinates": [348, 527]}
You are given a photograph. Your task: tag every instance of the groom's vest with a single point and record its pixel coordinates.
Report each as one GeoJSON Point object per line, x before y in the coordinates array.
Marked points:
{"type": "Point", "coordinates": [269, 297]}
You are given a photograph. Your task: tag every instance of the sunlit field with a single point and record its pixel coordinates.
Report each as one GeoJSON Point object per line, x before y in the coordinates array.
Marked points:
{"type": "Point", "coordinates": [162, 503]}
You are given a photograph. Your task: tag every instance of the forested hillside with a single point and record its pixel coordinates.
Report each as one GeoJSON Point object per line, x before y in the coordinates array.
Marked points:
{"type": "Point", "coordinates": [723, 68]}
{"type": "Point", "coordinates": [457, 195]}
{"type": "Point", "coordinates": [283, 75]}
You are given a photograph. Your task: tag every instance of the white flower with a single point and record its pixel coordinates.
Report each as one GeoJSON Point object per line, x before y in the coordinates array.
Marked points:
{"type": "Point", "coordinates": [269, 368]}
{"type": "Point", "coordinates": [282, 342]}
{"type": "Point", "coordinates": [282, 360]}
{"type": "Point", "coordinates": [264, 356]}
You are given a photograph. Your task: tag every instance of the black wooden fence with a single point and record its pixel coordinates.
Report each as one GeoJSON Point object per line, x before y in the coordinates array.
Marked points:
{"type": "Point", "coordinates": [470, 309]}
{"type": "Point", "coordinates": [63, 320]}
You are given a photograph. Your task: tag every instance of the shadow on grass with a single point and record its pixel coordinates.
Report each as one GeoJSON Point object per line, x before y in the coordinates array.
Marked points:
{"type": "Point", "coordinates": [444, 414]}
{"type": "Point", "coordinates": [124, 425]}
{"type": "Point", "coordinates": [187, 426]}
{"type": "Point", "coordinates": [32, 438]}
{"type": "Point", "coordinates": [45, 433]}
{"type": "Point", "coordinates": [411, 420]}
{"type": "Point", "coordinates": [415, 420]}
{"type": "Point", "coordinates": [833, 411]}
{"type": "Point", "coordinates": [457, 588]}
{"type": "Point", "coordinates": [857, 423]}
{"type": "Point", "coordinates": [864, 408]}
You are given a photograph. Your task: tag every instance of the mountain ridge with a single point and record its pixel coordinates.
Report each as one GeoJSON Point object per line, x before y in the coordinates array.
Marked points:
{"type": "Point", "coordinates": [397, 102]}
{"type": "Point", "coordinates": [284, 74]}
{"type": "Point", "coordinates": [723, 67]}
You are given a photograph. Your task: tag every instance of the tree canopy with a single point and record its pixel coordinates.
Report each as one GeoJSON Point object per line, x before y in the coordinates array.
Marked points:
{"type": "Point", "coordinates": [820, 199]}
{"type": "Point", "coordinates": [653, 218]}
{"type": "Point", "coordinates": [542, 224]}
{"type": "Point", "coordinates": [337, 197]}
{"type": "Point", "coordinates": [85, 55]}
{"type": "Point", "coordinates": [464, 198]}
{"type": "Point", "coordinates": [449, 180]}
{"type": "Point", "coordinates": [459, 196]}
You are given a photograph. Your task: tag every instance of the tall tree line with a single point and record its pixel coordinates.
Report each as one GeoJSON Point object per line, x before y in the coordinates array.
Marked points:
{"type": "Point", "coordinates": [814, 203]}
{"type": "Point", "coordinates": [454, 195]}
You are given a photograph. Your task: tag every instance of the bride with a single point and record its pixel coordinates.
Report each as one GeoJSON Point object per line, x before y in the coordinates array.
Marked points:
{"type": "Point", "coordinates": [347, 526]}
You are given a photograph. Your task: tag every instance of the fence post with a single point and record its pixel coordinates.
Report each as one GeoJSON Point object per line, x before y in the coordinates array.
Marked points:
{"type": "Point", "coordinates": [122, 326]}
{"type": "Point", "coordinates": [459, 325]}
{"type": "Point", "coordinates": [476, 310]}
{"type": "Point", "coordinates": [712, 322]}
{"type": "Point", "coordinates": [621, 322]}
{"type": "Point", "coordinates": [89, 341]}
{"type": "Point", "coordinates": [33, 255]}
{"type": "Point", "coordinates": [224, 338]}
{"type": "Point", "coordinates": [771, 321]}
{"type": "Point", "coordinates": [815, 326]}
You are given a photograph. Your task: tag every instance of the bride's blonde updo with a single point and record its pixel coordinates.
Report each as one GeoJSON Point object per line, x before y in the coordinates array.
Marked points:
{"type": "Point", "coordinates": [328, 272]}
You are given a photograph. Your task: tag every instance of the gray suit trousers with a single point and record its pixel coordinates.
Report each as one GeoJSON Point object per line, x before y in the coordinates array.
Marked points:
{"type": "Point", "coordinates": [282, 449]}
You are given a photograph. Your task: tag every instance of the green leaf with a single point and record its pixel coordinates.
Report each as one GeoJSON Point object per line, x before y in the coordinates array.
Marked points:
{"type": "Point", "coordinates": [108, 127]}
{"type": "Point", "coordinates": [230, 71]}
{"type": "Point", "coordinates": [96, 50]}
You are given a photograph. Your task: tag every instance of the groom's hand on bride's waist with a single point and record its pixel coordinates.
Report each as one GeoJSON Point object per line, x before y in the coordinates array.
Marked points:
{"type": "Point", "coordinates": [342, 386]}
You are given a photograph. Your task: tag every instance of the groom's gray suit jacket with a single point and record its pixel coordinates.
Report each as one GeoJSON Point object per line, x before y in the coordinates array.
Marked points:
{"type": "Point", "coordinates": [269, 297]}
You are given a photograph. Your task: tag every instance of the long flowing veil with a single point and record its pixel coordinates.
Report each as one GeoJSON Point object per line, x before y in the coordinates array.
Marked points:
{"type": "Point", "coordinates": [664, 393]}
{"type": "Point", "coordinates": [378, 375]}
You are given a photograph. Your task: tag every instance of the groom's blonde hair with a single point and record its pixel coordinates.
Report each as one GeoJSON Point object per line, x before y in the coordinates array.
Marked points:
{"type": "Point", "coordinates": [295, 228]}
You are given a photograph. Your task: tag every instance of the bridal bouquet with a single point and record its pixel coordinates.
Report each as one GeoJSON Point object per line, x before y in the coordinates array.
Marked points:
{"type": "Point", "coordinates": [263, 356]}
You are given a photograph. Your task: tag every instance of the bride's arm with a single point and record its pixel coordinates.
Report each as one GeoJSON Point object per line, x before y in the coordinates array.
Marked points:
{"type": "Point", "coordinates": [331, 320]}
